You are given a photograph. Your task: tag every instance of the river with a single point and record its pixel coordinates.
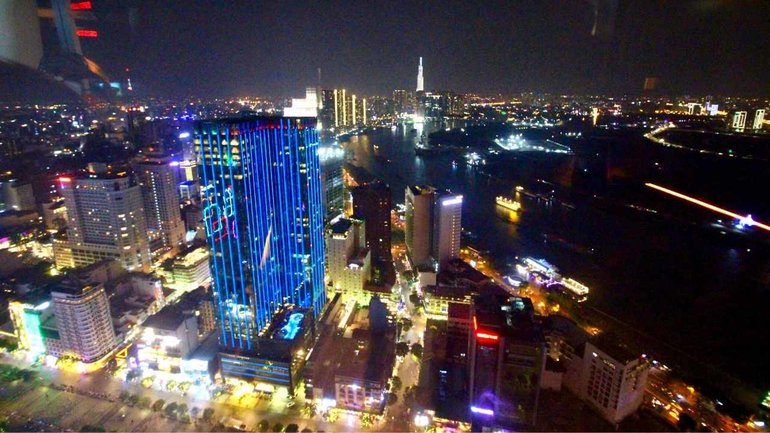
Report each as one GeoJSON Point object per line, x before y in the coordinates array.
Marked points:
{"type": "Point", "coordinates": [693, 292]}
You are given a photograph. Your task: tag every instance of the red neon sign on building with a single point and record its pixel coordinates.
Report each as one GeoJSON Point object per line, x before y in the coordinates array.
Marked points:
{"type": "Point", "coordinates": [486, 337]}
{"type": "Point", "coordinates": [81, 6]}
{"type": "Point", "coordinates": [86, 33]}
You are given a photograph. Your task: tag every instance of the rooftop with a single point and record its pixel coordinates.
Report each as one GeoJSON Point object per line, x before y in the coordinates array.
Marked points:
{"type": "Point", "coordinates": [287, 324]}
{"type": "Point", "coordinates": [73, 288]}
{"type": "Point", "coordinates": [421, 189]}
{"type": "Point", "coordinates": [266, 119]}
{"type": "Point", "coordinates": [192, 258]}
{"type": "Point", "coordinates": [340, 226]}
{"type": "Point", "coordinates": [511, 316]}
{"type": "Point", "coordinates": [366, 356]}
{"type": "Point", "coordinates": [457, 310]}
{"type": "Point", "coordinates": [361, 175]}
{"type": "Point", "coordinates": [168, 319]}
{"type": "Point", "coordinates": [445, 291]}
{"type": "Point", "coordinates": [613, 346]}
{"type": "Point", "coordinates": [208, 349]}
{"type": "Point", "coordinates": [458, 269]}
{"type": "Point", "coordinates": [355, 353]}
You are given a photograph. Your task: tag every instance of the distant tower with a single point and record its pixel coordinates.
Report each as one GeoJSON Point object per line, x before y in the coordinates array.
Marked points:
{"type": "Point", "coordinates": [420, 86]}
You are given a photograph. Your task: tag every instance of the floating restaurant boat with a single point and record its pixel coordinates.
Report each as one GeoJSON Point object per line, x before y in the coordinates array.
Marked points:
{"type": "Point", "coordinates": [508, 203]}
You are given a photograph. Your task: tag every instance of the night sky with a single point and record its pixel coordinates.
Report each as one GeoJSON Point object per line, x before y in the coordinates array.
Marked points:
{"type": "Point", "coordinates": [251, 47]}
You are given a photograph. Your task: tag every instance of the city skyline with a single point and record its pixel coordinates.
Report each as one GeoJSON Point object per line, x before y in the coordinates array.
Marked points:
{"type": "Point", "coordinates": [462, 226]}
{"type": "Point", "coordinates": [600, 47]}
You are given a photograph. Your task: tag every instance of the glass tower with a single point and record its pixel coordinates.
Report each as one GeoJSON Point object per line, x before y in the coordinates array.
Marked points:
{"type": "Point", "coordinates": [263, 213]}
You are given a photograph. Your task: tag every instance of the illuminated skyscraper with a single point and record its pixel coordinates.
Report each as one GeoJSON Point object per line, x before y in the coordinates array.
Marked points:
{"type": "Point", "coordinates": [263, 214]}
{"type": "Point", "coordinates": [433, 225]}
{"type": "Point", "coordinates": [84, 322]}
{"type": "Point", "coordinates": [348, 259]}
{"type": "Point", "coordinates": [506, 362]}
{"type": "Point", "coordinates": [739, 119]}
{"type": "Point", "coordinates": [420, 83]}
{"type": "Point", "coordinates": [447, 226]}
{"type": "Point", "coordinates": [419, 223]}
{"type": "Point", "coordinates": [333, 191]}
{"type": "Point", "coordinates": [158, 180]}
{"type": "Point", "coordinates": [348, 109]}
{"type": "Point", "coordinates": [105, 220]}
{"type": "Point", "coordinates": [372, 203]}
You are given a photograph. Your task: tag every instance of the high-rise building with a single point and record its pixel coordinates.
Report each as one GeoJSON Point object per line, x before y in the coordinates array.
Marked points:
{"type": "Point", "coordinates": [420, 80]}
{"type": "Point", "coordinates": [759, 119]}
{"type": "Point", "coordinates": [600, 370]}
{"type": "Point", "coordinates": [433, 225]}
{"type": "Point", "coordinates": [739, 119]}
{"type": "Point", "coordinates": [402, 102]}
{"type": "Point", "coordinates": [263, 216]}
{"type": "Point", "coordinates": [15, 195]}
{"type": "Point", "coordinates": [419, 223]}
{"type": "Point", "coordinates": [83, 321]}
{"type": "Point", "coordinates": [372, 202]}
{"type": "Point", "coordinates": [333, 188]}
{"type": "Point", "coordinates": [192, 270]}
{"type": "Point", "coordinates": [326, 113]}
{"type": "Point", "coordinates": [158, 181]}
{"type": "Point", "coordinates": [348, 109]}
{"type": "Point", "coordinates": [613, 380]}
{"type": "Point", "coordinates": [447, 226]}
{"type": "Point", "coordinates": [105, 220]}
{"type": "Point", "coordinates": [507, 358]}
{"type": "Point", "coordinates": [441, 104]}
{"type": "Point", "coordinates": [303, 107]}
{"type": "Point", "coordinates": [348, 260]}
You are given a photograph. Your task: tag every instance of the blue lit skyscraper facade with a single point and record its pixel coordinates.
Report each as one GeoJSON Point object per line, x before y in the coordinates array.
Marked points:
{"type": "Point", "coordinates": [263, 213]}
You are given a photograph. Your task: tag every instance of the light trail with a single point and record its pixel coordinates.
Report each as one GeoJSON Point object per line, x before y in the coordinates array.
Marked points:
{"type": "Point", "coordinates": [709, 206]}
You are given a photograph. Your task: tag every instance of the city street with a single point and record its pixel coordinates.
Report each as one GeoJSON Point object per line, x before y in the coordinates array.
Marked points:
{"type": "Point", "coordinates": [93, 400]}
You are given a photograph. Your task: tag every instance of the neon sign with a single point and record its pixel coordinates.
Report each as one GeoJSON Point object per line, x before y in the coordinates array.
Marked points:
{"type": "Point", "coordinates": [215, 219]}
{"type": "Point", "coordinates": [482, 411]}
{"type": "Point", "coordinates": [486, 337]}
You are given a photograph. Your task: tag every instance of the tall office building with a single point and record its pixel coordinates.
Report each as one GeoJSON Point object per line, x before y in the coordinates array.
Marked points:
{"type": "Point", "coordinates": [304, 107]}
{"type": "Point", "coordinates": [348, 260]}
{"type": "Point", "coordinates": [447, 226]}
{"type": "Point", "coordinates": [372, 203]}
{"type": "Point", "coordinates": [613, 379]}
{"type": "Point", "coordinates": [419, 223]}
{"type": "Point", "coordinates": [739, 119]}
{"type": "Point", "coordinates": [158, 181]}
{"type": "Point", "coordinates": [263, 215]}
{"type": "Point", "coordinates": [333, 188]}
{"type": "Point", "coordinates": [433, 225]}
{"type": "Point", "coordinates": [441, 104]}
{"type": "Point", "coordinates": [507, 358]}
{"type": "Point", "coordinates": [420, 80]}
{"type": "Point", "coordinates": [349, 110]}
{"type": "Point", "coordinates": [402, 102]}
{"type": "Point", "coordinates": [105, 220]}
{"type": "Point", "coordinates": [326, 112]}
{"type": "Point", "coordinates": [83, 321]}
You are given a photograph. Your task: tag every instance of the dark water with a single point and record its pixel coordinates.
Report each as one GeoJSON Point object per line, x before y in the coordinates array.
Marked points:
{"type": "Point", "coordinates": [690, 290]}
